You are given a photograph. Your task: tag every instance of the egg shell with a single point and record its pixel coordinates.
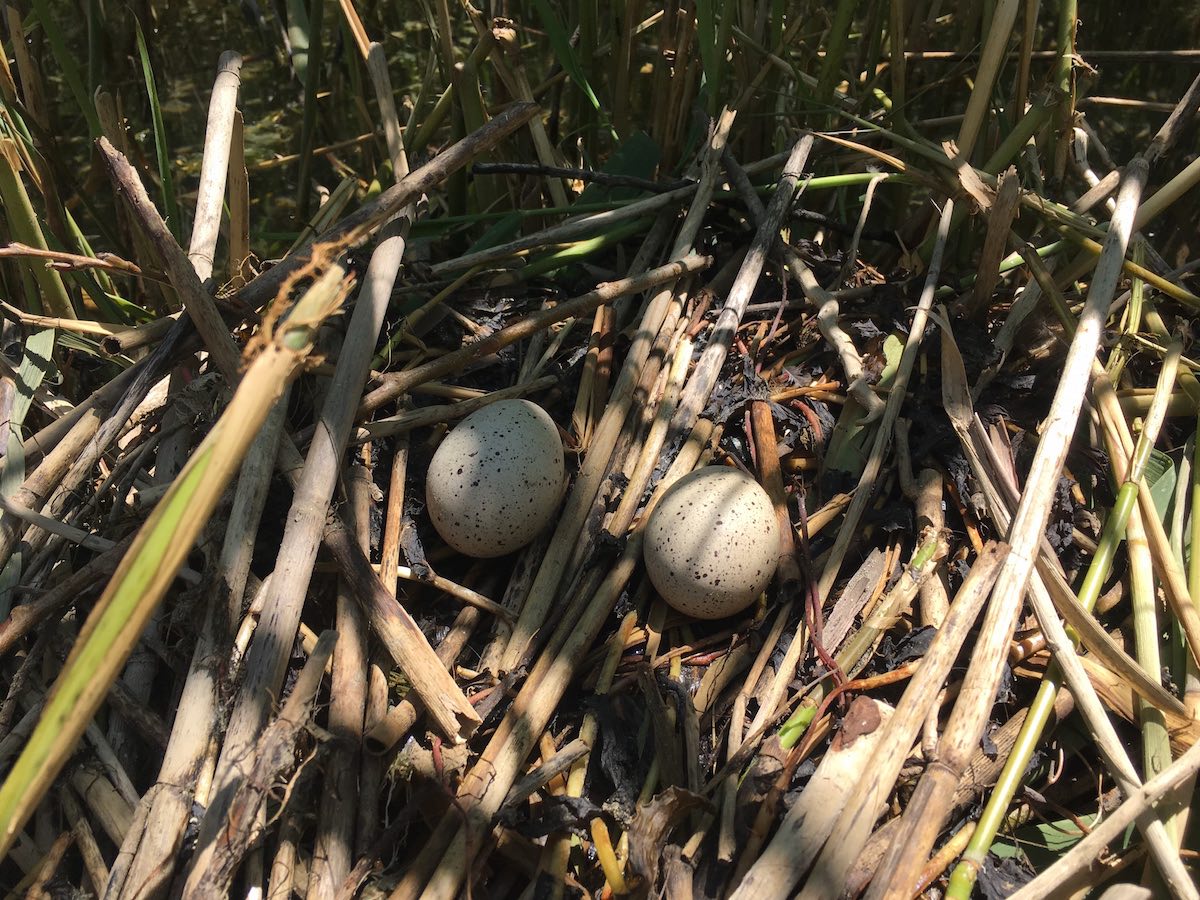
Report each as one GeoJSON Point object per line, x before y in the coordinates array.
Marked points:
{"type": "Point", "coordinates": [712, 543]}
{"type": "Point", "coordinates": [496, 479]}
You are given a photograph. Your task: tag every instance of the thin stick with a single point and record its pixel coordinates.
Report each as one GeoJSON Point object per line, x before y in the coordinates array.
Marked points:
{"type": "Point", "coordinates": [397, 384]}
{"type": "Point", "coordinates": [1078, 861]}
{"type": "Point", "coordinates": [708, 367]}
{"type": "Point", "coordinates": [366, 219]}
{"type": "Point", "coordinates": [195, 299]}
{"type": "Point", "coordinates": [433, 415]}
{"type": "Point", "coordinates": [562, 546]}
{"type": "Point", "coordinates": [1025, 536]}
{"type": "Point", "coordinates": [334, 845]}
{"type": "Point", "coordinates": [215, 865]}
{"type": "Point", "coordinates": [239, 202]}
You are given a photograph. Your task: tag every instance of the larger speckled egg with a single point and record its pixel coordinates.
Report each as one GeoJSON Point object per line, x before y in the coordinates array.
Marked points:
{"type": "Point", "coordinates": [496, 479]}
{"type": "Point", "coordinates": [712, 543]}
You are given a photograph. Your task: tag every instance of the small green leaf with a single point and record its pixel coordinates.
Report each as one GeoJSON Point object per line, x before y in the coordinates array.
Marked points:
{"type": "Point", "coordinates": [1042, 843]}
{"type": "Point", "coordinates": [170, 207]}
{"type": "Point", "coordinates": [793, 729]}
{"type": "Point", "coordinates": [1161, 476]}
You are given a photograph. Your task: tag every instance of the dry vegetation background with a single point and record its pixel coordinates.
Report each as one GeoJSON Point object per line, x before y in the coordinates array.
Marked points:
{"type": "Point", "coordinates": [924, 270]}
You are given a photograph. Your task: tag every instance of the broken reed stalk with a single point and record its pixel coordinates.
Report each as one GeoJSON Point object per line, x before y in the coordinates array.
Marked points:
{"type": "Point", "coordinates": [780, 867]}
{"type": "Point", "coordinates": [268, 656]}
{"type": "Point", "coordinates": [273, 755]}
{"type": "Point", "coordinates": [925, 491]}
{"type": "Point", "coordinates": [1025, 534]}
{"type": "Point", "coordinates": [398, 721]}
{"type": "Point", "coordinates": [442, 865]}
{"type": "Point", "coordinates": [214, 167]}
{"type": "Point", "coordinates": [562, 548]}
{"type": "Point", "coordinates": [115, 624]}
{"type": "Point", "coordinates": [196, 301]}
{"type": "Point", "coordinates": [239, 203]}
{"type": "Point", "coordinates": [333, 847]}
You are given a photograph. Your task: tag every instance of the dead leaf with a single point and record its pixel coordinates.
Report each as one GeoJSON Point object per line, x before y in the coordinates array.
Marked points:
{"type": "Point", "coordinates": [653, 824]}
{"type": "Point", "coordinates": [983, 195]}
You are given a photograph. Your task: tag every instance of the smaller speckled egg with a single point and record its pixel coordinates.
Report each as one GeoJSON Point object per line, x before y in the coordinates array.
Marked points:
{"type": "Point", "coordinates": [496, 479]}
{"type": "Point", "coordinates": [712, 543]}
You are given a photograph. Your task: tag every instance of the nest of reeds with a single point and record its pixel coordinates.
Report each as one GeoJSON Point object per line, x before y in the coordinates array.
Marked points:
{"type": "Point", "coordinates": [946, 334]}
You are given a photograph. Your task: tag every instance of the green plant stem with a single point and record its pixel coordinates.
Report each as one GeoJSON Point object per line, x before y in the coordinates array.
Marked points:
{"type": "Point", "coordinates": [1064, 83]}
{"type": "Point", "coordinates": [963, 877]}
{"type": "Point", "coordinates": [835, 48]}
{"type": "Point", "coordinates": [23, 222]}
{"type": "Point", "coordinates": [581, 249]}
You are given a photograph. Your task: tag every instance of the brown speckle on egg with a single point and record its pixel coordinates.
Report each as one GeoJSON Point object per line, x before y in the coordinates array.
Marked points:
{"type": "Point", "coordinates": [496, 479]}
{"type": "Point", "coordinates": [712, 543]}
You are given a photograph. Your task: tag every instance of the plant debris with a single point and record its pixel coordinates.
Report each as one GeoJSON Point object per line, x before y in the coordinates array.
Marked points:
{"type": "Point", "coordinates": [939, 304]}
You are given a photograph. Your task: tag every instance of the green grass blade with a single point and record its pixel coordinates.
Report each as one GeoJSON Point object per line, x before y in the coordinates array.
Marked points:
{"type": "Point", "coordinates": [560, 40]}
{"type": "Point", "coordinates": [835, 52]}
{"type": "Point", "coordinates": [65, 57]}
{"type": "Point", "coordinates": [160, 139]}
{"type": "Point", "coordinates": [12, 475]}
{"type": "Point", "coordinates": [36, 363]}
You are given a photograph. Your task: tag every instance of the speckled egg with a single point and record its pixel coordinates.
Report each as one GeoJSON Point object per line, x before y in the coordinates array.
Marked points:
{"type": "Point", "coordinates": [712, 543]}
{"type": "Point", "coordinates": [496, 479]}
